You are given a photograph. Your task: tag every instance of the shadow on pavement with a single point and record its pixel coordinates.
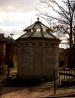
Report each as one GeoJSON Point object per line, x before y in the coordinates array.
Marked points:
{"type": "Point", "coordinates": [17, 82]}
{"type": "Point", "coordinates": [9, 86]}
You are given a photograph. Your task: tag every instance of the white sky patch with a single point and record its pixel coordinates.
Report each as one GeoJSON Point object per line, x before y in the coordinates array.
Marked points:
{"type": "Point", "coordinates": [7, 31]}
{"type": "Point", "coordinates": [16, 22]}
{"type": "Point", "coordinates": [17, 5]}
{"type": "Point", "coordinates": [16, 15]}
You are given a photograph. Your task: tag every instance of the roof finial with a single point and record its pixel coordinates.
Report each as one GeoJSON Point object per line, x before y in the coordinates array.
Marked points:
{"type": "Point", "coordinates": [38, 18]}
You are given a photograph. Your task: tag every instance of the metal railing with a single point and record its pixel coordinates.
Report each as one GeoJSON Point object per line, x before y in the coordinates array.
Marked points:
{"type": "Point", "coordinates": [65, 79]}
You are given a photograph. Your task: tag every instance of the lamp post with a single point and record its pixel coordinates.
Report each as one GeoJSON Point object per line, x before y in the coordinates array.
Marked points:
{"type": "Point", "coordinates": [10, 58]}
{"type": "Point", "coordinates": [11, 44]}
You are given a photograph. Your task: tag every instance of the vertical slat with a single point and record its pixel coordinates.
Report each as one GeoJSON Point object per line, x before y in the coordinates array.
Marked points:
{"type": "Point", "coordinates": [54, 82]}
{"type": "Point", "coordinates": [59, 77]}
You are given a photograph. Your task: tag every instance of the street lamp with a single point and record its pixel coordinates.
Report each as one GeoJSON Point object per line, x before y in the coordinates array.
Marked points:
{"type": "Point", "coordinates": [10, 58]}
{"type": "Point", "coordinates": [11, 44]}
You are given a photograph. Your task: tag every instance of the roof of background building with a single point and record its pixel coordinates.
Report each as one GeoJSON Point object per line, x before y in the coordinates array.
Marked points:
{"type": "Point", "coordinates": [9, 40]}
{"type": "Point", "coordinates": [6, 39]}
{"type": "Point", "coordinates": [2, 38]}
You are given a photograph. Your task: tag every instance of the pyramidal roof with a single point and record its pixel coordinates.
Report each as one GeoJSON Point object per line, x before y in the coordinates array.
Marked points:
{"type": "Point", "coordinates": [37, 30]}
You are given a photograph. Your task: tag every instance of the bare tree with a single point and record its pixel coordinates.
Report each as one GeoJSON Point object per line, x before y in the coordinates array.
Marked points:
{"type": "Point", "coordinates": [63, 17]}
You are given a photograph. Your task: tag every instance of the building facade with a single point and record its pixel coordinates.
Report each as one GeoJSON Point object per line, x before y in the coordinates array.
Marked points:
{"type": "Point", "coordinates": [37, 52]}
{"type": "Point", "coordinates": [7, 49]}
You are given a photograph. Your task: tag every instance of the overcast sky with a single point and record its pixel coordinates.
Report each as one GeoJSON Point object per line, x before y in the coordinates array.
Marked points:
{"type": "Point", "coordinates": [16, 15]}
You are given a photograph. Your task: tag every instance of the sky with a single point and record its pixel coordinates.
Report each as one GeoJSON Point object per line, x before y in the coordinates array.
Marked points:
{"type": "Point", "coordinates": [16, 15]}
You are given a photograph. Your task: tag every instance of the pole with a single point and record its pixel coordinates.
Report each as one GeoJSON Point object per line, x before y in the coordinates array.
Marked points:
{"type": "Point", "coordinates": [9, 59]}
{"type": "Point", "coordinates": [11, 48]}
{"type": "Point", "coordinates": [70, 53]}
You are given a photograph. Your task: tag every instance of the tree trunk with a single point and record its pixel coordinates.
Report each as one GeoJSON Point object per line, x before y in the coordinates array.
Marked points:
{"type": "Point", "coordinates": [70, 51]}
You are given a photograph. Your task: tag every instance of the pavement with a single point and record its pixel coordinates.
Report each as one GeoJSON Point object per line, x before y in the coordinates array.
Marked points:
{"type": "Point", "coordinates": [41, 91]}
{"type": "Point", "coordinates": [44, 90]}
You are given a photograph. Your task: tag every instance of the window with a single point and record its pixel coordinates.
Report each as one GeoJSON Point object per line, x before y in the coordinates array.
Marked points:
{"type": "Point", "coordinates": [40, 44]}
{"type": "Point", "coordinates": [38, 30]}
{"type": "Point", "coordinates": [33, 43]}
{"type": "Point", "coordinates": [46, 44]}
{"type": "Point", "coordinates": [52, 44]}
{"type": "Point", "coordinates": [26, 44]}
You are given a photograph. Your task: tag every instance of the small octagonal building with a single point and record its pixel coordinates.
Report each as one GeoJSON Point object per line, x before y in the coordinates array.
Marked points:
{"type": "Point", "coordinates": [37, 52]}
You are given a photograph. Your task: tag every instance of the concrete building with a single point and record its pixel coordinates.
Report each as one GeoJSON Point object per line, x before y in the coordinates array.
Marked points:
{"type": "Point", "coordinates": [37, 52]}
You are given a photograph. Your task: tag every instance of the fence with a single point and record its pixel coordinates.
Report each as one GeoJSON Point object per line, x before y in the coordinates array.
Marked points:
{"type": "Point", "coordinates": [66, 79]}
